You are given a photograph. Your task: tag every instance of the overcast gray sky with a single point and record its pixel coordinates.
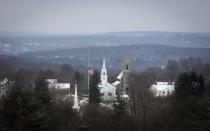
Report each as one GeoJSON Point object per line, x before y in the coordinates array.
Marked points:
{"type": "Point", "coordinates": [96, 16]}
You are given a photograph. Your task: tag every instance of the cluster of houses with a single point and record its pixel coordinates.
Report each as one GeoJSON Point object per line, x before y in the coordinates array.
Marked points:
{"type": "Point", "coordinates": [108, 90]}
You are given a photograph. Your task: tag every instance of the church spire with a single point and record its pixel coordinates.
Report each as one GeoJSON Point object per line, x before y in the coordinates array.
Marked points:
{"type": "Point", "coordinates": [104, 76]}
{"type": "Point", "coordinates": [76, 102]}
{"type": "Point", "coordinates": [104, 63]}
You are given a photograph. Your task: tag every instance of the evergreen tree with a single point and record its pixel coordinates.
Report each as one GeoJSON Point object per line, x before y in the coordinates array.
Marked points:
{"type": "Point", "coordinates": [42, 92]}
{"type": "Point", "coordinates": [41, 84]}
{"type": "Point", "coordinates": [189, 99]}
{"type": "Point", "coordinates": [189, 85]}
{"type": "Point", "coordinates": [94, 91]}
{"type": "Point", "coordinates": [22, 111]}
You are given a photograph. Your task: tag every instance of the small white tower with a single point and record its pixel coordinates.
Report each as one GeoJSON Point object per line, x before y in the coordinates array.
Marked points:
{"type": "Point", "coordinates": [104, 76]}
{"type": "Point", "coordinates": [76, 103]}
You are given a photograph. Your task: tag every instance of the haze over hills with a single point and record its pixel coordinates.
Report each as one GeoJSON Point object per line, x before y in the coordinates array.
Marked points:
{"type": "Point", "coordinates": [21, 42]}
{"type": "Point", "coordinates": [143, 56]}
{"type": "Point", "coordinates": [147, 48]}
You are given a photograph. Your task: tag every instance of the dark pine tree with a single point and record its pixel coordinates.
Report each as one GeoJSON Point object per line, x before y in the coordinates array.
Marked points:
{"type": "Point", "coordinates": [189, 85]}
{"type": "Point", "coordinates": [21, 111]}
{"type": "Point", "coordinates": [42, 92]}
{"type": "Point", "coordinates": [94, 91]}
{"type": "Point", "coordinates": [41, 84]}
{"type": "Point", "coordinates": [188, 105]}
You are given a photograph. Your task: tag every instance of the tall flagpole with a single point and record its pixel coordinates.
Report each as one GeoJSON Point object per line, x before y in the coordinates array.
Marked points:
{"type": "Point", "coordinates": [88, 71]}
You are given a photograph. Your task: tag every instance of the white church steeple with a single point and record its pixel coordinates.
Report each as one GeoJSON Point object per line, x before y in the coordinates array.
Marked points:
{"type": "Point", "coordinates": [76, 102]}
{"type": "Point", "coordinates": [104, 76]}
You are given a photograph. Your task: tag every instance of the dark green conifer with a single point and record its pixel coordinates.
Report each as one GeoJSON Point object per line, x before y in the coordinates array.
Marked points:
{"type": "Point", "coordinates": [94, 91]}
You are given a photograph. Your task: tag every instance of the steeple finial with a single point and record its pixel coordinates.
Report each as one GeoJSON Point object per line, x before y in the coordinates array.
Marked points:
{"type": "Point", "coordinates": [104, 63]}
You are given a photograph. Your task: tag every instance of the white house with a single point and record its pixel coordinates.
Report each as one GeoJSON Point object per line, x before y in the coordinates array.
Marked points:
{"type": "Point", "coordinates": [162, 89]}
{"type": "Point", "coordinates": [53, 84]}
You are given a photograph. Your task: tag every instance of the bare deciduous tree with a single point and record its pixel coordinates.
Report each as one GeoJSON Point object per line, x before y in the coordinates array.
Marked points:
{"type": "Point", "coordinates": [141, 98]}
{"type": "Point", "coordinates": [191, 64]}
{"type": "Point", "coordinates": [172, 70]}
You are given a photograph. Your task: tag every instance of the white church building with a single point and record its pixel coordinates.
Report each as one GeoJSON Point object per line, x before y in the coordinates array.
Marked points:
{"type": "Point", "coordinates": [108, 91]}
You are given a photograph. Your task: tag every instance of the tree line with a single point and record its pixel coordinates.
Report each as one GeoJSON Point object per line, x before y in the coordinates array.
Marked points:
{"type": "Point", "coordinates": [31, 109]}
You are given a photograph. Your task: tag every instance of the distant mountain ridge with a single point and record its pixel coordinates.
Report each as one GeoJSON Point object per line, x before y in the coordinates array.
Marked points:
{"type": "Point", "coordinates": [21, 42]}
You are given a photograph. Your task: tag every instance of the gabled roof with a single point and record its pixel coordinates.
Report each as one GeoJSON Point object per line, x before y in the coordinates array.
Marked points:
{"type": "Point", "coordinates": [116, 83]}
{"type": "Point", "coordinates": [120, 75]}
